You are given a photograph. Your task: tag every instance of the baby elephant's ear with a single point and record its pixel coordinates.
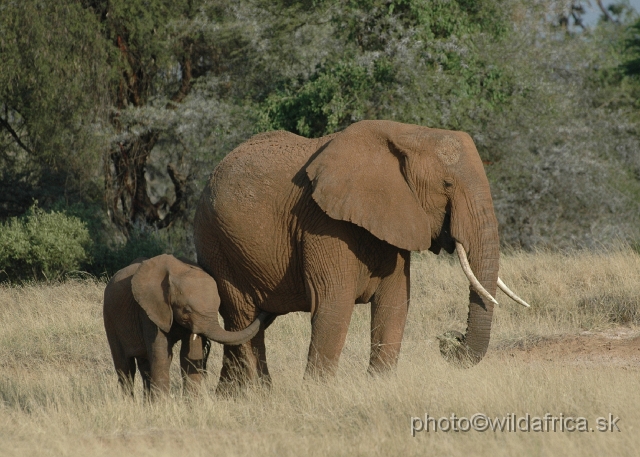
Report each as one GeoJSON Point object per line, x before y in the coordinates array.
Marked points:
{"type": "Point", "coordinates": [150, 287]}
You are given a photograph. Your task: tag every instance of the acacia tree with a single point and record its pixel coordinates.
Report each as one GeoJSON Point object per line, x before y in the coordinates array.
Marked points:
{"type": "Point", "coordinates": [147, 64]}
{"type": "Point", "coordinates": [160, 90]}
{"type": "Point", "coordinates": [407, 60]}
{"type": "Point", "coordinates": [173, 101]}
{"type": "Point", "coordinates": [52, 64]}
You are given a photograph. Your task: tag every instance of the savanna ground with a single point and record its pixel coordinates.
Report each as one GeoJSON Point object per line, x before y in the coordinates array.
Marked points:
{"type": "Point", "coordinates": [576, 352]}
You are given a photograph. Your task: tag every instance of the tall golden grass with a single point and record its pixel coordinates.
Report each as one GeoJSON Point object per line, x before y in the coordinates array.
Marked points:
{"type": "Point", "coordinates": [59, 394]}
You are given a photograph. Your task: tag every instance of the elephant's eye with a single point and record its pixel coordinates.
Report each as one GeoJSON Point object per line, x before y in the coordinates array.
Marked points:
{"type": "Point", "coordinates": [187, 310]}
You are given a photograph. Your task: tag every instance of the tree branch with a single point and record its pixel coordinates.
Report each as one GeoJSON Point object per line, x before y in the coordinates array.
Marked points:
{"type": "Point", "coordinates": [178, 207]}
{"type": "Point", "coordinates": [185, 84]}
{"type": "Point", "coordinates": [605, 12]}
{"type": "Point", "coordinates": [15, 136]}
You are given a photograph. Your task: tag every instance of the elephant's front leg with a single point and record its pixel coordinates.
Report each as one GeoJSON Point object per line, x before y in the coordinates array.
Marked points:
{"type": "Point", "coordinates": [329, 326]}
{"type": "Point", "coordinates": [192, 361]}
{"type": "Point", "coordinates": [331, 276]}
{"type": "Point", "coordinates": [159, 350]}
{"type": "Point", "coordinates": [389, 308]}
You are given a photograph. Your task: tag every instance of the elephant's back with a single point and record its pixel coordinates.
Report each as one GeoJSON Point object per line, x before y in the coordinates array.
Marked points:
{"type": "Point", "coordinates": [121, 312]}
{"type": "Point", "coordinates": [252, 182]}
{"type": "Point", "coordinates": [118, 288]}
{"type": "Point", "coordinates": [247, 210]}
{"type": "Point", "coordinates": [264, 164]}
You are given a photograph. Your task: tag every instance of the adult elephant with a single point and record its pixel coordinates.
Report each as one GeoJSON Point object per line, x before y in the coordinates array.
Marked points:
{"type": "Point", "coordinates": [287, 223]}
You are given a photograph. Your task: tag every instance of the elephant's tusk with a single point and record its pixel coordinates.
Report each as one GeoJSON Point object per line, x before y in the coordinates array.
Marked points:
{"type": "Point", "coordinates": [510, 293]}
{"type": "Point", "coordinates": [196, 336]}
{"type": "Point", "coordinates": [464, 263]}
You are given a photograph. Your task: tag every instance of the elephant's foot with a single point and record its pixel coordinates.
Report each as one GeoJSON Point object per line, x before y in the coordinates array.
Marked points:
{"type": "Point", "coordinates": [234, 387]}
{"type": "Point", "coordinates": [381, 368]}
{"type": "Point", "coordinates": [126, 385]}
{"type": "Point", "coordinates": [455, 350]}
{"type": "Point", "coordinates": [229, 388]}
{"type": "Point", "coordinates": [193, 373]}
{"type": "Point", "coordinates": [384, 358]}
{"type": "Point", "coordinates": [320, 368]}
{"type": "Point", "coordinates": [237, 376]}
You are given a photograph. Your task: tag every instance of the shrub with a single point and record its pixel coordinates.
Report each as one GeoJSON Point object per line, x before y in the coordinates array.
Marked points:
{"type": "Point", "coordinates": [109, 258]}
{"type": "Point", "coordinates": [42, 245]}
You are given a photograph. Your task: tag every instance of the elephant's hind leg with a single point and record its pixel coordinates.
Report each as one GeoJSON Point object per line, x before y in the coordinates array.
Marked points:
{"type": "Point", "coordinates": [389, 308]}
{"type": "Point", "coordinates": [126, 369]}
{"type": "Point", "coordinates": [245, 363]}
{"type": "Point", "coordinates": [125, 366]}
{"type": "Point", "coordinates": [145, 373]}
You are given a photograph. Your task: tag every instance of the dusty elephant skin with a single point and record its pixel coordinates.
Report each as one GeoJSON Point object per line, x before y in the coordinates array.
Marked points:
{"type": "Point", "coordinates": [287, 224]}
{"type": "Point", "coordinates": [149, 306]}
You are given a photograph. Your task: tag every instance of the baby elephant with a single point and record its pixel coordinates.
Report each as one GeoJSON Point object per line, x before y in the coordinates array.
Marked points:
{"type": "Point", "coordinates": [149, 306]}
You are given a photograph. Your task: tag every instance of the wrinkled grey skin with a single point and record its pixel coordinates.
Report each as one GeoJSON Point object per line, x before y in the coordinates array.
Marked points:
{"type": "Point", "coordinates": [287, 224]}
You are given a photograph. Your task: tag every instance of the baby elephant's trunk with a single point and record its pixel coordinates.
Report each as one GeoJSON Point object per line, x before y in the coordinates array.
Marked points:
{"type": "Point", "coordinates": [220, 335]}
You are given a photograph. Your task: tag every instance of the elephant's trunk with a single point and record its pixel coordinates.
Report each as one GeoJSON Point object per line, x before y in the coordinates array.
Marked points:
{"type": "Point", "coordinates": [484, 256]}
{"type": "Point", "coordinates": [216, 333]}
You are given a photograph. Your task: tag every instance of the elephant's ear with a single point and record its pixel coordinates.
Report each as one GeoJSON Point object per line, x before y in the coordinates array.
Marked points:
{"type": "Point", "coordinates": [150, 288]}
{"type": "Point", "coordinates": [357, 177]}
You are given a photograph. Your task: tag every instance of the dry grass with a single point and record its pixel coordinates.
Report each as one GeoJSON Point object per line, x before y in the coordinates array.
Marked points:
{"type": "Point", "coordinates": [58, 390]}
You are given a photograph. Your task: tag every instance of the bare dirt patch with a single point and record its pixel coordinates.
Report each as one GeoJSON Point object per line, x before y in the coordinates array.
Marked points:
{"type": "Point", "coordinates": [619, 347]}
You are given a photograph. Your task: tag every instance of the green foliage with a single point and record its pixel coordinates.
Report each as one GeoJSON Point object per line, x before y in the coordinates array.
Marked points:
{"type": "Point", "coordinates": [109, 258]}
{"type": "Point", "coordinates": [372, 23]}
{"type": "Point", "coordinates": [329, 101]}
{"type": "Point", "coordinates": [53, 62]}
{"type": "Point", "coordinates": [553, 109]}
{"type": "Point", "coordinates": [394, 57]}
{"type": "Point", "coordinates": [143, 52]}
{"type": "Point", "coordinates": [49, 245]}
{"type": "Point", "coordinates": [632, 65]}
{"type": "Point", "coordinates": [42, 245]}
{"type": "Point", "coordinates": [109, 251]}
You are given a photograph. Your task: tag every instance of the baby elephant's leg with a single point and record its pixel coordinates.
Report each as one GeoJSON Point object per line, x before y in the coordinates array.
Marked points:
{"type": "Point", "coordinates": [192, 361]}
